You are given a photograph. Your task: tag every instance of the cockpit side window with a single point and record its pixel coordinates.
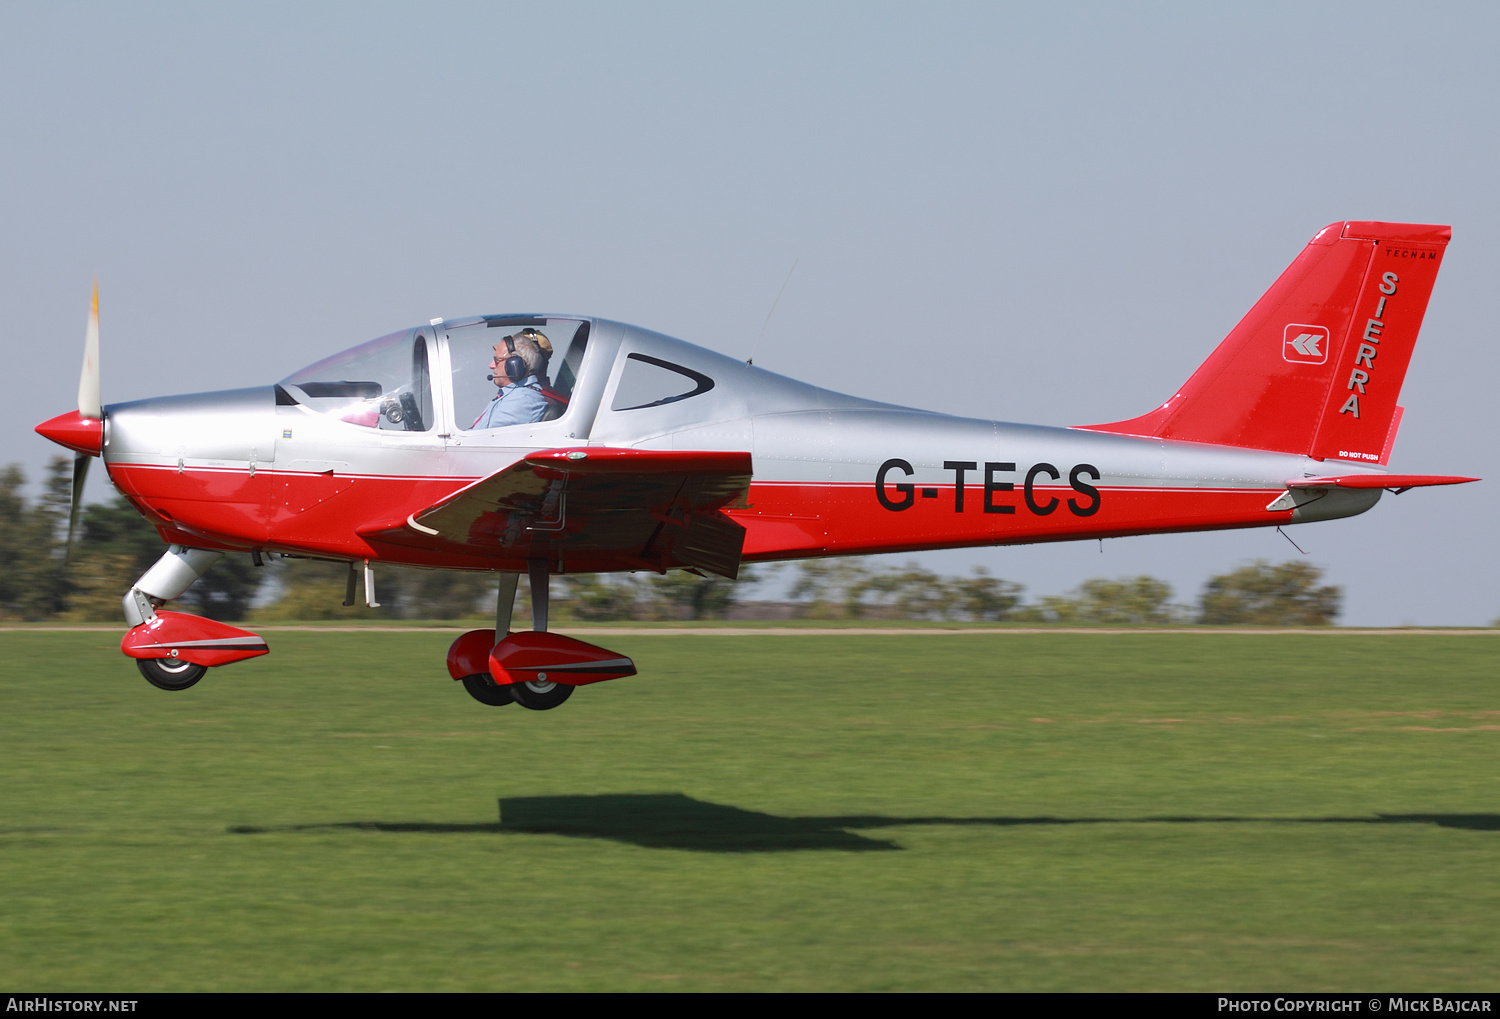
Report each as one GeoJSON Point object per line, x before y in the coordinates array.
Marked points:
{"type": "Point", "coordinates": [382, 384]}
{"type": "Point", "coordinates": [647, 381]}
{"type": "Point", "coordinates": [478, 352]}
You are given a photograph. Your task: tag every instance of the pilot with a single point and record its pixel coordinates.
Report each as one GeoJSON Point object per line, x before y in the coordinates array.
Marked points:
{"type": "Point", "coordinates": [518, 368]}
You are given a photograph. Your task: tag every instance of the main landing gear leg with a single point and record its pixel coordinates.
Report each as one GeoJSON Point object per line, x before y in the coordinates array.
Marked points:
{"type": "Point", "coordinates": [541, 581]}
{"type": "Point", "coordinates": [479, 683]}
{"type": "Point", "coordinates": [539, 694]}
{"type": "Point", "coordinates": [505, 604]}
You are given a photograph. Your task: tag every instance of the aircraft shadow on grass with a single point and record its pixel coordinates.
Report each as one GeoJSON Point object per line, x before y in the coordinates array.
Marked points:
{"type": "Point", "coordinates": [677, 821]}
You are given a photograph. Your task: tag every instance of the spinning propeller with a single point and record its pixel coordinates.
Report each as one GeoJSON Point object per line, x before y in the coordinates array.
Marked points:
{"type": "Point", "coordinates": [82, 430]}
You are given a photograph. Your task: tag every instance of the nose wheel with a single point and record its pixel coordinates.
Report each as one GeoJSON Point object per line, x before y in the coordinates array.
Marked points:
{"type": "Point", "coordinates": [170, 673]}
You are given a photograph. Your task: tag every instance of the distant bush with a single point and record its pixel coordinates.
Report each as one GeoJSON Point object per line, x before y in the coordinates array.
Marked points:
{"type": "Point", "coordinates": [305, 589]}
{"type": "Point", "coordinates": [851, 588]}
{"type": "Point", "coordinates": [1265, 595]}
{"type": "Point", "coordinates": [1128, 601]}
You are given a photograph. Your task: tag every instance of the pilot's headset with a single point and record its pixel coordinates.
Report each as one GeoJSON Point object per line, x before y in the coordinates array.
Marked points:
{"type": "Point", "coordinates": [515, 365]}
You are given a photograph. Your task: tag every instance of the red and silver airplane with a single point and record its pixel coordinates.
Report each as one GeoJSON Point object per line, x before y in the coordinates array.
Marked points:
{"type": "Point", "coordinates": [654, 454]}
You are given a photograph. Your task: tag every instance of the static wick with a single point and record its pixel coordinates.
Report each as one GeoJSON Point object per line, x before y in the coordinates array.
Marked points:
{"type": "Point", "coordinates": [1288, 537]}
{"type": "Point", "coordinates": [1101, 546]}
{"type": "Point", "coordinates": [756, 345]}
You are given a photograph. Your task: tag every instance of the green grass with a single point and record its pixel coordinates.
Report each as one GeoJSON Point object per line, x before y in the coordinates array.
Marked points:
{"type": "Point", "coordinates": [1015, 811]}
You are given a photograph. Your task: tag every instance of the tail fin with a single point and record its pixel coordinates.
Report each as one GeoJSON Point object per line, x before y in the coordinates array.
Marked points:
{"type": "Point", "coordinates": [1317, 365]}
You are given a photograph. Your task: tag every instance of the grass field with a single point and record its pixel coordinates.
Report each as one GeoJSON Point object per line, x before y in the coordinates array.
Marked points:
{"type": "Point", "coordinates": [1009, 811]}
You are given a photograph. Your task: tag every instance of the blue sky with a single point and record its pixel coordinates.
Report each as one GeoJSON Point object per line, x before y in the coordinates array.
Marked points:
{"type": "Point", "coordinates": [1056, 211]}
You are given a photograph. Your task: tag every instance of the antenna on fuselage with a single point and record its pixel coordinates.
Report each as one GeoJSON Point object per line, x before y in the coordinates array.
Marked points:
{"type": "Point", "coordinates": [756, 345]}
{"type": "Point", "coordinates": [1288, 537]}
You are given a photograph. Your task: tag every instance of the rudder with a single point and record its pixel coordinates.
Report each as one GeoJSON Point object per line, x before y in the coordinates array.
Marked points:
{"type": "Point", "coordinates": [1316, 366]}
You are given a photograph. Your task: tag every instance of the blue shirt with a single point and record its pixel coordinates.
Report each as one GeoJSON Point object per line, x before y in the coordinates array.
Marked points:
{"type": "Point", "coordinates": [517, 404]}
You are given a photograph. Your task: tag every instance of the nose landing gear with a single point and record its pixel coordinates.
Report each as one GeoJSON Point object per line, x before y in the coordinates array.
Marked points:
{"type": "Point", "coordinates": [173, 649]}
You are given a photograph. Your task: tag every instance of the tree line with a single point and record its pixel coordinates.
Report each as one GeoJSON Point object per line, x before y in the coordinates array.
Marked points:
{"type": "Point", "coordinates": [1259, 593]}
{"type": "Point", "coordinates": [115, 545]}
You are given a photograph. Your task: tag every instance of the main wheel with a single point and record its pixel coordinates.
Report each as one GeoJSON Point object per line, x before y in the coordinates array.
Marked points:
{"type": "Point", "coordinates": [540, 694]}
{"type": "Point", "coordinates": [170, 673]}
{"type": "Point", "coordinates": [483, 688]}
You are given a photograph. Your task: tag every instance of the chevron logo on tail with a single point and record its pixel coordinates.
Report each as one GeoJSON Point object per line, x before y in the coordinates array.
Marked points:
{"type": "Point", "coordinates": [1305, 344]}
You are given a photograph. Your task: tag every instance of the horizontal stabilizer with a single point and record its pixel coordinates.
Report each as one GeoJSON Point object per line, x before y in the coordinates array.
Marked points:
{"type": "Point", "coordinates": [1395, 482]}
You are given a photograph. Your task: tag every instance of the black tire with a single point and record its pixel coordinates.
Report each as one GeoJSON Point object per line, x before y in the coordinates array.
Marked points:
{"type": "Point", "coordinates": [483, 688]}
{"type": "Point", "coordinates": [170, 673]}
{"type": "Point", "coordinates": [540, 696]}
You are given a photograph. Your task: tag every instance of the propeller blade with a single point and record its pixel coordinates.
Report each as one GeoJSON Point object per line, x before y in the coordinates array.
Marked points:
{"type": "Point", "coordinates": [88, 382]}
{"type": "Point", "coordinates": [81, 463]}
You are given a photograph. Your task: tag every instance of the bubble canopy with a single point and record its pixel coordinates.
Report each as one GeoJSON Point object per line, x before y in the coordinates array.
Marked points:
{"type": "Point", "coordinates": [382, 384]}
{"type": "Point", "coordinates": [388, 384]}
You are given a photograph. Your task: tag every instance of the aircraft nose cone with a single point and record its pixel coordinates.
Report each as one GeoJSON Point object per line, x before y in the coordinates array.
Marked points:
{"type": "Point", "coordinates": [86, 435]}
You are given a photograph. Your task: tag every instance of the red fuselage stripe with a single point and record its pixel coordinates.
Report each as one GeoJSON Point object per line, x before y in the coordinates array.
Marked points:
{"type": "Point", "coordinates": [317, 514]}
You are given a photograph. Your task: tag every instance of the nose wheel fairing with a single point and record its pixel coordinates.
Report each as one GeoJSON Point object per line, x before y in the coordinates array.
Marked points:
{"type": "Point", "coordinates": [178, 636]}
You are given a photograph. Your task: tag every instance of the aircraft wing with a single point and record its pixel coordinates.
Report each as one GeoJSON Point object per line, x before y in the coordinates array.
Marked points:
{"type": "Point", "coordinates": [594, 509]}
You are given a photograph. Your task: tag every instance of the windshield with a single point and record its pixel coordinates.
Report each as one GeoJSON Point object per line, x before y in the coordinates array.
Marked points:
{"type": "Point", "coordinates": [381, 384]}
